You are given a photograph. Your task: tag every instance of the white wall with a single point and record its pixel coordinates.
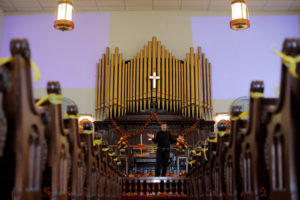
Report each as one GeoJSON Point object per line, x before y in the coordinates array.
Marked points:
{"type": "Point", "coordinates": [1, 24]}
{"type": "Point", "coordinates": [130, 31]}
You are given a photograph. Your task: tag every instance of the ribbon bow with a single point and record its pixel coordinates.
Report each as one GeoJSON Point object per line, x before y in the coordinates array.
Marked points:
{"type": "Point", "coordinates": [204, 149]}
{"type": "Point", "coordinates": [52, 98]}
{"type": "Point", "coordinates": [35, 69]}
{"type": "Point", "coordinates": [290, 62]}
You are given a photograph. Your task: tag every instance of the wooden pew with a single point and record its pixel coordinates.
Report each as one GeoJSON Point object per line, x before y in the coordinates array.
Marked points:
{"type": "Point", "coordinates": [23, 155]}
{"type": "Point", "coordinates": [92, 167]}
{"type": "Point", "coordinates": [253, 166]}
{"type": "Point", "coordinates": [208, 168]}
{"type": "Point", "coordinates": [218, 175]}
{"type": "Point", "coordinates": [97, 146]}
{"type": "Point", "coordinates": [283, 133]}
{"type": "Point", "coordinates": [233, 182]}
{"type": "Point", "coordinates": [3, 120]}
{"type": "Point", "coordinates": [78, 166]}
{"type": "Point", "coordinates": [56, 175]}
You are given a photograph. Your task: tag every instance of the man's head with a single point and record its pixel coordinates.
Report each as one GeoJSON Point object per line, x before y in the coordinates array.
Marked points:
{"type": "Point", "coordinates": [163, 127]}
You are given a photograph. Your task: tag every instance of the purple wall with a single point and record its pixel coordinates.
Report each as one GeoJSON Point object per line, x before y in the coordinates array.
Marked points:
{"type": "Point", "coordinates": [238, 57]}
{"type": "Point", "coordinates": [69, 57]}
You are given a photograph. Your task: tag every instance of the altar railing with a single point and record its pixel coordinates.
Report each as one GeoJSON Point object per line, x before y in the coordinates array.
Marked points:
{"type": "Point", "coordinates": [140, 186]}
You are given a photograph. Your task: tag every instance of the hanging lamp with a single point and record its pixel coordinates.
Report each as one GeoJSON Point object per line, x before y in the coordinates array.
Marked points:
{"type": "Point", "coordinates": [64, 16]}
{"type": "Point", "coordinates": [239, 15]}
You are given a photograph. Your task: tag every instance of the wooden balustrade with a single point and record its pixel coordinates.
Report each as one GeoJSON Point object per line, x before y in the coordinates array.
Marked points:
{"type": "Point", "coordinates": [154, 187]}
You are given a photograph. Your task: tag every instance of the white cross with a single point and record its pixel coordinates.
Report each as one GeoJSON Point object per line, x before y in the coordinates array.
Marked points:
{"type": "Point", "coordinates": [154, 77]}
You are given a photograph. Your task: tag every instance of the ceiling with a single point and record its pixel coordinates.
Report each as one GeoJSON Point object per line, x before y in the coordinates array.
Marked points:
{"type": "Point", "coordinates": [136, 5]}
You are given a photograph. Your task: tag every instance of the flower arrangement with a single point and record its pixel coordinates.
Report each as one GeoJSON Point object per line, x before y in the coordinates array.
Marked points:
{"type": "Point", "coordinates": [183, 173]}
{"type": "Point", "coordinates": [181, 144]}
{"type": "Point", "coordinates": [123, 142]}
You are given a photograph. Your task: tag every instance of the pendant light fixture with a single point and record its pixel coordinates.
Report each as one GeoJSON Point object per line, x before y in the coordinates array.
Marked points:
{"type": "Point", "coordinates": [239, 15]}
{"type": "Point", "coordinates": [64, 16]}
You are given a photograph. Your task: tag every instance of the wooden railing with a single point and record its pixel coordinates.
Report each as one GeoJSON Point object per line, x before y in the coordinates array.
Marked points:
{"type": "Point", "coordinates": [155, 186]}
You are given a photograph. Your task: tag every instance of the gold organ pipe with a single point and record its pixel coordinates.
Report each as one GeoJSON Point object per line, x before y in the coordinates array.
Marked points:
{"type": "Point", "coordinates": [154, 68]}
{"type": "Point", "coordinates": [196, 86]}
{"type": "Point", "coordinates": [163, 78]}
{"type": "Point", "coordinates": [111, 92]}
{"type": "Point", "coordinates": [141, 80]}
{"type": "Point", "coordinates": [192, 82]}
{"type": "Point", "coordinates": [185, 87]}
{"type": "Point", "coordinates": [137, 78]}
{"type": "Point", "coordinates": [207, 89]}
{"type": "Point", "coordinates": [204, 88]}
{"type": "Point", "coordinates": [123, 87]}
{"type": "Point", "coordinates": [102, 88]}
{"type": "Point", "coordinates": [126, 88]}
{"type": "Point", "coordinates": [177, 82]}
{"type": "Point", "coordinates": [181, 89]}
{"type": "Point", "coordinates": [116, 64]}
{"type": "Point", "coordinates": [158, 69]}
{"type": "Point", "coordinates": [200, 63]}
{"type": "Point", "coordinates": [210, 92]}
{"type": "Point", "coordinates": [167, 93]}
{"type": "Point", "coordinates": [120, 71]}
{"type": "Point", "coordinates": [107, 84]}
{"type": "Point", "coordinates": [149, 92]}
{"type": "Point", "coordinates": [145, 79]}
{"type": "Point", "coordinates": [97, 91]}
{"type": "Point", "coordinates": [174, 83]}
{"type": "Point", "coordinates": [170, 82]}
{"type": "Point", "coordinates": [132, 87]}
{"type": "Point", "coordinates": [188, 85]}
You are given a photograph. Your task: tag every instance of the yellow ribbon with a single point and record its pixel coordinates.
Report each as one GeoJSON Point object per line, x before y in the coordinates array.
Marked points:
{"type": "Point", "coordinates": [115, 159]}
{"type": "Point", "coordinates": [111, 154]}
{"type": "Point", "coordinates": [234, 118]}
{"type": "Point", "coordinates": [221, 133]}
{"type": "Point", "coordinates": [72, 116]}
{"type": "Point", "coordinates": [119, 163]}
{"type": "Point", "coordinates": [212, 140]}
{"type": "Point", "coordinates": [52, 98]}
{"type": "Point", "coordinates": [192, 162]}
{"type": "Point", "coordinates": [97, 142]}
{"type": "Point", "coordinates": [88, 132]}
{"type": "Point", "coordinates": [242, 115]}
{"type": "Point", "coordinates": [35, 69]}
{"type": "Point", "coordinates": [55, 98]}
{"type": "Point", "coordinates": [290, 62]}
{"type": "Point", "coordinates": [256, 95]}
{"type": "Point", "coordinates": [105, 149]}
{"type": "Point", "coordinates": [195, 153]}
{"type": "Point", "coordinates": [204, 149]}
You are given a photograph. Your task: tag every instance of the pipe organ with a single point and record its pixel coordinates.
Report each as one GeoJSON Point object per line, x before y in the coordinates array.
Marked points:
{"type": "Point", "coordinates": [128, 85]}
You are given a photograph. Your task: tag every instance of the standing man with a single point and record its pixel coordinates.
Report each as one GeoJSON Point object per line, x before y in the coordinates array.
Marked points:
{"type": "Point", "coordinates": [163, 139]}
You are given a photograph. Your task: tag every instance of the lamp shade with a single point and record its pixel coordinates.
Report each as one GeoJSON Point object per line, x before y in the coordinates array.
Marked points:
{"type": "Point", "coordinates": [239, 15]}
{"type": "Point", "coordinates": [64, 16]}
